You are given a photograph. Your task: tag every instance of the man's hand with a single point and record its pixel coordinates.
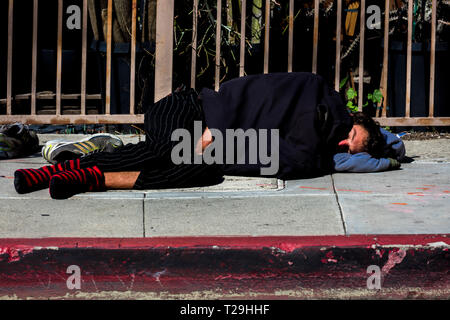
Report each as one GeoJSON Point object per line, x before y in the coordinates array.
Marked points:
{"type": "Point", "coordinates": [203, 142]}
{"type": "Point", "coordinates": [394, 164]}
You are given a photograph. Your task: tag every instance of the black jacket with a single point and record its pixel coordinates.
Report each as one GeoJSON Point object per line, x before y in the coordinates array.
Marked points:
{"type": "Point", "coordinates": [310, 116]}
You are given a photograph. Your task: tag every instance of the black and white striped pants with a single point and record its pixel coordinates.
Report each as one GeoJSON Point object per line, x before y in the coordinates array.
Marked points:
{"type": "Point", "coordinates": [152, 157]}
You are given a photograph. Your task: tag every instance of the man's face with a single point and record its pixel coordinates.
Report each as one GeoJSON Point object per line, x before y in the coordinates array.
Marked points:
{"type": "Point", "coordinates": [355, 140]}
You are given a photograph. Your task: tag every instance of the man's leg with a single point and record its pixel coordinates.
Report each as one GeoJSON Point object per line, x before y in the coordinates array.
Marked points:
{"type": "Point", "coordinates": [66, 184]}
{"type": "Point", "coordinates": [120, 180]}
{"type": "Point", "coordinates": [131, 157]}
{"type": "Point", "coordinates": [153, 156]}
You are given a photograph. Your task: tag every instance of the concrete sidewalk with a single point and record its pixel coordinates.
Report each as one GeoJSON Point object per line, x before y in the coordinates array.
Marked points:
{"type": "Point", "coordinates": [413, 200]}
{"type": "Point", "coordinates": [245, 238]}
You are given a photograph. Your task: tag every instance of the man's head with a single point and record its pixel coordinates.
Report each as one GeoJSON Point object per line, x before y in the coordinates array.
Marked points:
{"type": "Point", "coordinates": [365, 136]}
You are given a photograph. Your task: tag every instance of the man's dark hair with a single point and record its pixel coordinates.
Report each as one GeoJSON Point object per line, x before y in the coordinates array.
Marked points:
{"type": "Point", "coordinates": [375, 144]}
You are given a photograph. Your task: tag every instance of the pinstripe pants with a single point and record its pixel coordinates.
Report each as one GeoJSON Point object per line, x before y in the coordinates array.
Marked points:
{"type": "Point", "coordinates": [152, 157]}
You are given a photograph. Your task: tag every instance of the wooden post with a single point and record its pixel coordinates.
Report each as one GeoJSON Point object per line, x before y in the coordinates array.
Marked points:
{"type": "Point", "coordinates": [408, 60]}
{"type": "Point", "coordinates": [267, 37]}
{"type": "Point", "coordinates": [315, 35]}
{"type": "Point", "coordinates": [164, 48]}
{"type": "Point", "coordinates": [84, 57]}
{"type": "Point", "coordinates": [59, 58]}
{"type": "Point", "coordinates": [10, 53]}
{"type": "Point", "coordinates": [108, 58]}
{"type": "Point", "coordinates": [242, 43]}
{"type": "Point", "coordinates": [34, 57]}
{"type": "Point", "coordinates": [194, 44]}
{"type": "Point", "coordinates": [432, 58]}
{"type": "Point", "coordinates": [218, 39]}
{"type": "Point", "coordinates": [133, 56]}
{"type": "Point", "coordinates": [362, 28]}
{"type": "Point", "coordinates": [337, 74]}
{"type": "Point", "coordinates": [291, 35]}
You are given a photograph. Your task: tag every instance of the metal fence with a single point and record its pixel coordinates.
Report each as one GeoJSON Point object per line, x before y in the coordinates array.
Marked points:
{"type": "Point", "coordinates": [164, 67]}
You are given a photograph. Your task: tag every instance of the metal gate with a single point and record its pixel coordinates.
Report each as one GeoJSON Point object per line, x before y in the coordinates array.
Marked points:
{"type": "Point", "coordinates": [164, 58]}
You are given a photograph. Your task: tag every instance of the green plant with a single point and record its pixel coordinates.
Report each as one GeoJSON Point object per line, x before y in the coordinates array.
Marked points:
{"type": "Point", "coordinates": [351, 95]}
{"type": "Point", "coordinates": [376, 96]}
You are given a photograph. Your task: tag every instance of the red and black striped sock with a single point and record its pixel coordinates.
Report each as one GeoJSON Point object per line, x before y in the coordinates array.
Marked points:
{"type": "Point", "coordinates": [65, 184]}
{"type": "Point", "coordinates": [29, 180]}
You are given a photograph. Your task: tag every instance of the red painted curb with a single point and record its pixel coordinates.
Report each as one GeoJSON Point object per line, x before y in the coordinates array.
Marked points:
{"type": "Point", "coordinates": [285, 243]}
{"type": "Point", "coordinates": [30, 267]}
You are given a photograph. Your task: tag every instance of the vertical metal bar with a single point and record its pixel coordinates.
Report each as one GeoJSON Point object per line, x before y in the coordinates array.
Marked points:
{"type": "Point", "coordinates": [337, 74]}
{"type": "Point", "coordinates": [432, 58]}
{"type": "Point", "coordinates": [385, 58]}
{"type": "Point", "coordinates": [408, 60]}
{"type": "Point", "coordinates": [164, 48]}
{"type": "Point", "coordinates": [266, 36]}
{"type": "Point", "coordinates": [218, 38]}
{"type": "Point", "coordinates": [108, 59]}
{"type": "Point", "coordinates": [315, 35]}
{"type": "Point", "coordinates": [291, 35]}
{"type": "Point", "coordinates": [34, 57]}
{"type": "Point", "coordinates": [59, 58]}
{"type": "Point", "coordinates": [133, 56]}
{"type": "Point", "coordinates": [84, 57]}
{"type": "Point", "coordinates": [362, 28]}
{"type": "Point", "coordinates": [242, 44]}
{"type": "Point", "coordinates": [194, 44]}
{"type": "Point", "coordinates": [9, 61]}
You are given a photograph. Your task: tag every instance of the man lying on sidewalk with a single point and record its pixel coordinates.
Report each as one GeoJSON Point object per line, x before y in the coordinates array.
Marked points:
{"type": "Point", "coordinates": [311, 134]}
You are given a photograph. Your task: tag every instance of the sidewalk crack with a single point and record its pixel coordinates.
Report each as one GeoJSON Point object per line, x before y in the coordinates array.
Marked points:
{"type": "Point", "coordinates": [339, 205]}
